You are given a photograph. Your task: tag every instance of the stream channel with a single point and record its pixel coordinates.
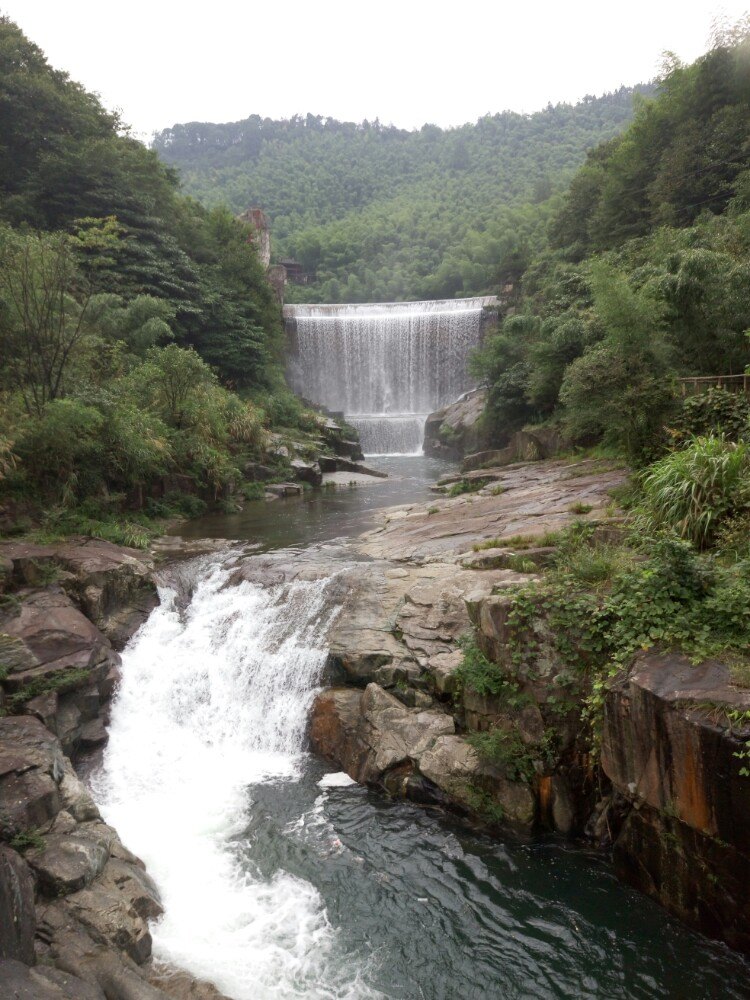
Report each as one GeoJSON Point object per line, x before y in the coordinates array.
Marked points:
{"type": "Point", "coordinates": [281, 880]}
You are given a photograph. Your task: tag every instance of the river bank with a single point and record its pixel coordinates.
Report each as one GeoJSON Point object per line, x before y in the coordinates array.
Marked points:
{"type": "Point", "coordinates": [251, 637]}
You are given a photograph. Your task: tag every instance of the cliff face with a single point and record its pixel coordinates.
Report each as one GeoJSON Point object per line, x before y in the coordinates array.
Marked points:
{"type": "Point", "coordinates": [672, 735]}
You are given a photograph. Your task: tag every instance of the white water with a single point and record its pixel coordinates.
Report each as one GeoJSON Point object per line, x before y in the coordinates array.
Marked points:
{"type": "Point", "coordinates": [385, 365]}
{"type": "Point", "coordinates": [213, 699]}
{"type": "Point", "coordinates": [398, 434]}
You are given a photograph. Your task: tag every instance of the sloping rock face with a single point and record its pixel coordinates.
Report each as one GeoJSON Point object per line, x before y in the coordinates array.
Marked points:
{"type": "Point", "coordinates": [69, 606]}
{"type": "Point", "coordinates": [111, 585]}
{"type": "Point", "coordinates": [530, 500]}
{"type": "Point", "coordinates": [457, 429]}
{"type": "Point", "coordinates": [416, 590]}
{"type": "Point", "coordinates": [672, 735]}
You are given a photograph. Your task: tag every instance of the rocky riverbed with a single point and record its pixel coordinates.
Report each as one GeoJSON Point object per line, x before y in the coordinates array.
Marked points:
{"type": "Point", "coordinates": [75, 903]}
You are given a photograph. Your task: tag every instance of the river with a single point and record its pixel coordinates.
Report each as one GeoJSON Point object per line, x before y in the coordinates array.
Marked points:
{"type": "Point", "coordinates": [281, 880]}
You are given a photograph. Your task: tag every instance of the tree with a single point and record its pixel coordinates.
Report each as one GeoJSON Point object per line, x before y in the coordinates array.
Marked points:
{"type": "Point", "coordinates": [43, 315]}
{"type": "Point", "coordinates": [169, 377]}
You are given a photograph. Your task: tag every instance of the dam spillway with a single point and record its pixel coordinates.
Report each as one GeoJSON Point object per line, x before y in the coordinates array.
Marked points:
{"type": "Point", "coordinates": [385, 365]}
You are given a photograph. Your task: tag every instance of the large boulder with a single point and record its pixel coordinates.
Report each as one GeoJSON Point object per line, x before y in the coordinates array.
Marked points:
{"type": "Point", "coordinates": [32, 767]}
{"type": "Point", "coordinates": [458, 428]}
{"type": "Point", "coordinates": [416, 753]}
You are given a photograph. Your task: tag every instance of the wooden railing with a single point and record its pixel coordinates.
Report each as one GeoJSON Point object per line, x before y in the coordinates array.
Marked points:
{"type": "Point", "coordinates": [733, 383]}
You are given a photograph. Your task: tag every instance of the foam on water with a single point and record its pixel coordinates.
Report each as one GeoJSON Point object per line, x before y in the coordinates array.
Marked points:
{"type": "Point", "coordinates": [213, 699]}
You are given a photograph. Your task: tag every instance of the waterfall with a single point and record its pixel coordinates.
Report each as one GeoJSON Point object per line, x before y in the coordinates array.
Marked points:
{"type": "Point", "coordinates": [387, 366]}
{"type": "Point", "coordinates": [214, 699]}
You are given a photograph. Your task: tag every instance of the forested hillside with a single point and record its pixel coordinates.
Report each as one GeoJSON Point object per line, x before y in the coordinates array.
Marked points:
{"type": "Point", "coordinates": [380, 213]}
{"type": "Point", "coordinates": [128, 314]}
{"type": "Point", "coordinates": [647, 275]}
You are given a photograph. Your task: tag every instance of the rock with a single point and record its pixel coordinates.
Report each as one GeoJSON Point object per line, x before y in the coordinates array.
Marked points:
{"type": "Point", "coordinates": [44, 707]}
{"type": "Point", "coordinates": [703, 881]}
{"type": "Point", "coordinates": [563, 807]}
{"type": "Point", "coordinates": [443, 668]}
{"type": "Point", "coordinates": [284, 489]}
{"type": "Point", "coordinates": [93, 734]}
{"type": "Point", "coordinates": [344, 465]}
{"type": "Point", "coordinates": [457, 428]}
{"type": "Point", "coordinates": [349, 449]}
{"type": "Point", "coordinates": [257, 473]}
{"type": "Point", "coordinates": [668, 748]}
{"type": "Point", "coordinates": [536, 502]}
{"type": "Point", "coordinates": [485, 712]}
{"type": "Point", "coordinates": [6, 574]}
{"type": "Point", "coordinates": [454, 766]}
{"type": "Point", "coordinates": [379, 741]}
{"type": "Point", "coordinates": [17, 916]}
{"type": "Point", "coordinates": [371, 733]}
{"type": "Point", "coordinates": [663, 743]}
{"type": "Point", "coordinates": [19, 982]}
{"type": "Point", "coordinates": [398, 618]}
{"type": "Point", "coordinates": [136, 885]}
{"type": "Point", "coordinates": [392, 734]}
{"type": "Point", "coordinates": [110, 915]}
{"type": "Point", "coordinates": [334, 721]}
{"type": "Point", "coordinates": [181, 986]}
{"type": "Point", "coordinates": [523, 446]}
{"type": "Point", "coordinates": [112, 584]}
{"type": "Point", "coordinates": [73, 949]}
{"type": "Point", "coordinates": [504, 558]}
{"type": "Point", "coordinates": [31, 767]}
{"type": "Point", "coordinates": [67, 863]}
{"type": "Point", "coordinates": [61, 661]}
{"type": "Point", "coordinates": [307, 472]}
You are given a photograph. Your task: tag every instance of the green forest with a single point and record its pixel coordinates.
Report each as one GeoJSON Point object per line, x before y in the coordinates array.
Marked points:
{"type": "Point", "coordinates": [645, 275]}
{"type": "Point", "coordinates": [139, 339]}
{"type": "Point", "coordinates": [377, 213]}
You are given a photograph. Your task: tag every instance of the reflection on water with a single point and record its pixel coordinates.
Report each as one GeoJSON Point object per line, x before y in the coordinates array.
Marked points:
{"type": "Point", "coordinates": [320, 515]}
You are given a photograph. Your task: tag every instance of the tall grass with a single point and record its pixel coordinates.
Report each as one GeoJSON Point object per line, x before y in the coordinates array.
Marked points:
{"type": "Point", "coordinates": [694, 490]}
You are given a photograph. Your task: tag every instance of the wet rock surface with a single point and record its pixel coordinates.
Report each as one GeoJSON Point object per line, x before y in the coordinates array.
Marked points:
{"type": "Point", "coordinates": [531, 500]}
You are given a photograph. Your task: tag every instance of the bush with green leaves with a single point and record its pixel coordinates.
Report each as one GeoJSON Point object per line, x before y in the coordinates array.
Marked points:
{"type": "Point", "coordinates": [716, 412]}
{"type": "Point", "coordinates": [695, 490]}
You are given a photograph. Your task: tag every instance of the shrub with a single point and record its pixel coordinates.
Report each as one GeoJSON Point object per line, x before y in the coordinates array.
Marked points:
{"type": "Point", "coordinates": [485, 677]}
{"type": "Point", "coordinates": [467, 486]}
{"type": "Point", "coordinates": [714, 412]}
{"type": "Point", "coordinates": [694, 491]}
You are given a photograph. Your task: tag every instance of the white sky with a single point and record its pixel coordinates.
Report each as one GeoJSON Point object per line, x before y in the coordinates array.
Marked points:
{"type": "Point", "coordinates": [403, 61]}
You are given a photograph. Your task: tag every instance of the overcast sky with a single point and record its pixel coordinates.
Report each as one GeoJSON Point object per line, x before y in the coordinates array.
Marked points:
{"type": "Point", "coordinates": [403, 61]}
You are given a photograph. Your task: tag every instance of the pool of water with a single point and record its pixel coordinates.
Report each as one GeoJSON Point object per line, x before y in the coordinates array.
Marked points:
{"type": "Point", "coordinates": [320, 515]}
{"type": "Point", "coordinates": [433, 912]}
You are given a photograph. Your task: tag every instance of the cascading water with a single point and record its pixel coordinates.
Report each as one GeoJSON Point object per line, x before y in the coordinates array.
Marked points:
{"type": "Point", "coordinates": [214, 698]}
{"type": "Point", "coordinates": [387, 366]}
